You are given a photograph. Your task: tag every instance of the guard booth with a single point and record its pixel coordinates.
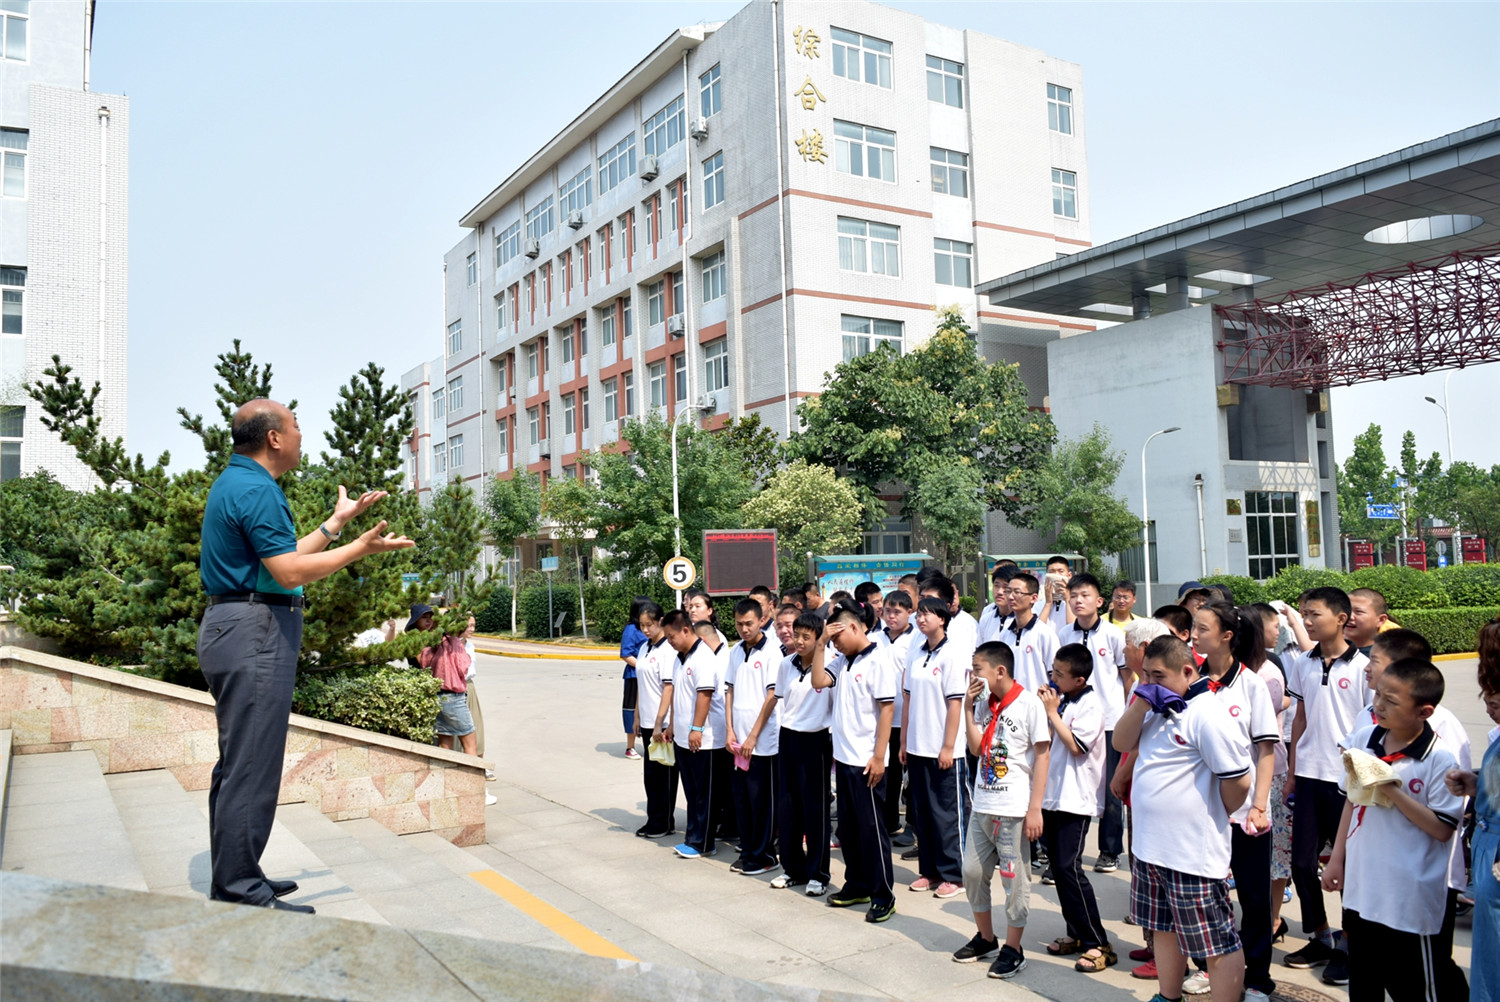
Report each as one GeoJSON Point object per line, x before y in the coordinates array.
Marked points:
{"type": "Point", "coordinates": [846, 571]}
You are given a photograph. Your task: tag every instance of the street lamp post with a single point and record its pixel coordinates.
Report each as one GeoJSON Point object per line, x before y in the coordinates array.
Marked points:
{"type": "Point", "coordinates": [1458, 546]}
{"type": "Point", "coordinates": [1145, 514]}
{"type": "Point", "coordinates": [676, 506]}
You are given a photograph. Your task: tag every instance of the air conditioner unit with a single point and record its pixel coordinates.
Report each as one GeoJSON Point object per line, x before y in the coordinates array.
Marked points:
{"type": "Point", "coordinates": [699, 129]}
{"type": "Point", "coordinates": [546, 455]}
{"type": "Point", "coordinates": [533, 247]}
{"type": "Point", "coordinates": [649, 169]}
{"type": "Point", "coordinates": [674, 325]}
{"type": "Point", "coordinates": [575, 219]}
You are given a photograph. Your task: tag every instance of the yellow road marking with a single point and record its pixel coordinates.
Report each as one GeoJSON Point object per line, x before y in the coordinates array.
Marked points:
{"type": "Point", "coordinates": [541, 912]}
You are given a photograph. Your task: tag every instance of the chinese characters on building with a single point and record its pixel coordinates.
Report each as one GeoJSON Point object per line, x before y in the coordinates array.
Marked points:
{"type": "Point", "coordinates": [810, 143]}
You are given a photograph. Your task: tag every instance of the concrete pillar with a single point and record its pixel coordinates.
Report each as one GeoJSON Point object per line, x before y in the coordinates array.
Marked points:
{"type": "Point", "coordinates": [1140, 302]}
{"type": "Point", "coordinates": [1177, 293]}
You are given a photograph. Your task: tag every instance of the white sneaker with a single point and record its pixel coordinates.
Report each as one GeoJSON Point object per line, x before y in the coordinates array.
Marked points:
{"type": "Point", "coordinates": [490, 800]}
{"type": "Point", "coordinates": [816, 888]}
{"type": "Point", "coordinates": [489, 775]}
{"type": "Point", "coordinates": [1195, 983]}
{"type": "Point", "coordinates": [781, 882]}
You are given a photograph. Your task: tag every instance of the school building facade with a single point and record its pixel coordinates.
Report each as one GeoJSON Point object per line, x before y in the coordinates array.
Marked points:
{"type": "Point", "coordinates": [751, 203]}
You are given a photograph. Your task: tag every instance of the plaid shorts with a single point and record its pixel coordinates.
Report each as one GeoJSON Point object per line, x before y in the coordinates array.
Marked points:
{"type": "Point", "coordinates": [1196, 908]}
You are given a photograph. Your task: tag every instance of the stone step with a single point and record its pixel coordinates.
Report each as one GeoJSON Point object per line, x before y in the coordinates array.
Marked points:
{"type": "Point", "coordinates": [61, 822]}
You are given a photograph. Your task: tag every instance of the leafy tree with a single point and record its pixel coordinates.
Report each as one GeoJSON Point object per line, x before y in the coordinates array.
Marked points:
{"type": "Point", "coordinates": [243, 381]}
{"type": "Point", "coordinates": [886, 418]}
{"type": "Point", "coordinates": [572, 506]}
{"type": "Point", "coordinates": [755, 444]}
{"type": "Point", "coordinates": [1364, 477]}
{"type": "Point", "coordinates": [634, 519]}
{"type": "Point", "coordinates": [1079, 506]}
{"type": "Point", "coordinates": [950, 499]}
{"type": "Point", "coordinates": [513, 507]}
{"type": "Point", "coordinates": [811, 509]}
{"type": "Point", "coordinates": [453, 537]}
{"type": "Point", "coordinates": [1475, 504]}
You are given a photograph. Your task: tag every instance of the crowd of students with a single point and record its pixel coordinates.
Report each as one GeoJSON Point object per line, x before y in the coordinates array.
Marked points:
{"type": "Point", "coordinates": [1236, 747]}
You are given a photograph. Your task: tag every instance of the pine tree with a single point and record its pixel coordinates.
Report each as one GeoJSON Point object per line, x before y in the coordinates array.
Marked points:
{"type": "Point", "coordinates": [452, 538]}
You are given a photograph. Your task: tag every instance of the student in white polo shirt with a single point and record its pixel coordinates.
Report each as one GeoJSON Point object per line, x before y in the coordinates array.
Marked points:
{"type": "Point", "coordinates": [803, 762]}
{"type": "Point", "coordinates": [900, 633]}
{"type": "Point", "coordinates": [1030, 638]}
{"type": "Point", "coordinates": [931, 727]}
{"type": "Point", "coordinates": [654, 663]}
{"type": "Point", "coordinates": [1391, 862]}
{"type": "Point", "coordinates": [1231, 644]}
{"type": "Point", "coordinates": [992, 620]}
{"type": "Point", "coordinates": [1112, 681]}
{"type": "Point", "coordinates": [1055, 607]}
{"type": "Point", "coordinates": [1192, 772]}
{"type": "Point", "coordinates": [963, 629]}
{"type": "Point", "coordinates": [1328, 683]}
{"type": "Point", "coordinates": [863, 678]}
{"type": "Point", "coordinates": [754, 731]}
{"type": "Point", "coordinates": [697, 728]}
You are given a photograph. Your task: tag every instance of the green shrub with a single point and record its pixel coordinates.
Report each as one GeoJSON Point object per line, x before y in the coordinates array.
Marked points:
{"type": "Point", "coordinates": [1449, 631]}
{"type": "Point", "coordinates": [1293, 581]}
{"type": "Point", "coordinates": [401, 702]}
{"type": "Point", "coordinates": [1470, 584]}
{"type": "Point", "coordinates": [1246, 591]}
{"type": "Point", "coordinates": [1403, 587]}
{"type": "Point", "coordinates": [533, 609]}
{"type": "Point", "coordinates": [494, 617]}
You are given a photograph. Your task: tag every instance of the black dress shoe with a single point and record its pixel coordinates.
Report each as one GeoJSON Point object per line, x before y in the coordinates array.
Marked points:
{"type": "Point", "coordinates": [286, 906]}
{"type": "Point", "coordinates": [281, 888]}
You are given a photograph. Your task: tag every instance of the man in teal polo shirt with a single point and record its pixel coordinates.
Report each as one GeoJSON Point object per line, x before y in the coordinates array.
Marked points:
{"type": "Point", "coordinates": [253, 568]}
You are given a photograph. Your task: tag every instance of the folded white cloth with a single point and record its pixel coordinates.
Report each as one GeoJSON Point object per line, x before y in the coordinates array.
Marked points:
{"type": "Point", "coordinates": [1364, 775]}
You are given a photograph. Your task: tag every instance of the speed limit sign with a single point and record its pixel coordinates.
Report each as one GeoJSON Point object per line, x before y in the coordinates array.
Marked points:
{"type": "Point", "coordinates": [679, 573]}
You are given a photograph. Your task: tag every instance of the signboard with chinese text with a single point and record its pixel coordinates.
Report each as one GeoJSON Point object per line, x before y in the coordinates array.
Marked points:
{"type": "Point", "coordinates": [1361, 554]}
{"type": "Point", "coordinates": [1416, 554]}
{"type": "Point", "coordinates": [844, 572]}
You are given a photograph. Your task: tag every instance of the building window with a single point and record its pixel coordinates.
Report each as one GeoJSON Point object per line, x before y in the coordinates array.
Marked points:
{"type": "Point", "coordinates": [869, 247]}
{"type": "Point", "coordinates": [577, 193]}
{"type": "Point", "coordinates": [585, 261]}
{"type": "Point", "coordinates": [629, 319]}
{"type": "Point", "coordinates": [1064, 194]}
{"type": "Point", "coordinates": [540, 219]}
{"type": "Point", "coordinates": [502, 439]}
{"type": "Point", "coordinates": [502, 379]}
{"type": "Point", "coordinates": [13, 164]}
{"type": "Point", "coordinates": [611, 399]}
{"type": "Point", "coordinates": [656, 373]}
{"type": "Point", "coordinates": [945, 82]}
{"type": "Point", "coordinates": [607, 326]}
{"type": "Point", "coordinates": [629, 393]}
{"type": "Point", "coordinates": [665, 129]}
{"type": "Point", "coordinates": [954, 261]}
{"type": "Point", "coordinates": [864, 151]}
{"type": "Point", "coordinates": [716, 365]}
{"type": "Point", "coordinates": [656, 303]}
{"type": "Point", "coordinates": [471, 269]}
{"type": "Point", "coordinates": [502, 315]}
{"type": "Point", "coordinates": [507, 243]}
{"type": "Point", "coordinates": [13, 26]}
{"type": "Point", "coordinates": [709, 100]}
{"type": "Point", "coordinates": [950, 172]}
{"type": "Point", "coordinates": [861, 58]}
{"type": "Point", "coordinates": [12, 424]}
{"type": "Point", "coordinates": [570, 415]}
{"type": "Point", "coordinates": [532, 363]}
{"type": "Point", "coordinates": [455, 337]}
{"type": "Point", "coordinates": [677, 296]}
{"type": "Point", "coordinates": [583, 340]}
{"type": "Point", "coordinates": [863, 335]}
{"type": "Point", "coordinates": [567, 347]}
{"type": "Point", "coordinates": [892, 536]}
{"type": "Point", "coordinates": [625, 236]}
{"type": "Point", "coordinates": [1130, 560]}
{"type": "Point", "coordinates": [1060, 109]}
{"type": "Point", "coordinates": [455, 394]}
{"type": "Point", "coordinates": [456, 452]}
{"type": "Point", "coordinates": [12, 286]}
{"type": "Point", "coordinates": [1271, 532]}
{"type": "Point", "coordinates": [439, 404]}
{"type": "Point", "coordinates": [583, 407]}
{"type": "Point", "coordinates": [713, 181]}
{"type": "Point", "coordinates": [617, 163]}
{"type": "Point", "coordinates": [547, 424]}
{"type": "Point", "coordinates": [679, 373]}
{"type": "Point", "coordinates": [534, 425]}
{"type": "Point", "coordinates": [439, 459]}
{"type": "Point", "coordinates": [714, 274]}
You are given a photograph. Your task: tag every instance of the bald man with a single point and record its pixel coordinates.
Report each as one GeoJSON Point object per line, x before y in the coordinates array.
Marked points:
{"type": "Point", "coordinates": [253, 568]}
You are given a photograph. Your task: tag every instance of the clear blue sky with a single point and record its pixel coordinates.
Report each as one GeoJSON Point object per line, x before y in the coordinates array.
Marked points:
{"type": "Point", "coordinates": [298, 170]}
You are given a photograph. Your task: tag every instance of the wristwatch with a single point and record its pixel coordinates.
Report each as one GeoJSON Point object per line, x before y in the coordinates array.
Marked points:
{"type": "Point", "coordinates": [698, 730]}
{"type": "Point", "coordinates": [331, 535]}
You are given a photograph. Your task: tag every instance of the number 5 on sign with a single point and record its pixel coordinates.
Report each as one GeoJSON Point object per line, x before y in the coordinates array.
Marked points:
{"type": "Point", "coordinates": [679, 573]}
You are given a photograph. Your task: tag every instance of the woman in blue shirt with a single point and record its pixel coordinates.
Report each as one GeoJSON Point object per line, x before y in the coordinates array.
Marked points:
{"type": "Point", "coordinates": [1484, 787]}
{"type": "Point", "coordinates": [630, 645]}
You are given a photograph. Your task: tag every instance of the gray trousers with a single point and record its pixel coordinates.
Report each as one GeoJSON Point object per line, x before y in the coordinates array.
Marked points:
{"type": "Point", "coordinates": [248, 654]}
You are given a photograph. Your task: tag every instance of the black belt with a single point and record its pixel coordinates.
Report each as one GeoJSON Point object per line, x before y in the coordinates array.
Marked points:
{"type": "Point", "coordinates": [258, 598]}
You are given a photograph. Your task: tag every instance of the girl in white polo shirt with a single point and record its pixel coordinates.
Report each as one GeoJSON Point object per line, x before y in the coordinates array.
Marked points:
{"type": "Point", "coordinates": [654, 662]}
{"type": "Point", "coordinates": [932, 721]}
{"type": "Point", "coordinates": [900, 633]}
{"type": "Point", "coordinates": [803, 762]}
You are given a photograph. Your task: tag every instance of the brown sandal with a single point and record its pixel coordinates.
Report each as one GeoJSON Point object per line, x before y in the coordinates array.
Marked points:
{"type": "Point", "coordinates": [1064, 946]}
{"type": "Point", "coordinates": [1096, 960]}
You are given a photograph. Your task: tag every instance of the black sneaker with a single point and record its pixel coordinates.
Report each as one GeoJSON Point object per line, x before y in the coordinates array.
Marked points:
{"type": "Point", "coordinates": [1108, 863]}
{"type": "Point", "coordinates": [879, 912]}
{"type": "Point", "coordinates": [1315, 954]}
{"type": "Point", "coordinates": [911, 853]}
{"type": "Point", "coordinates": [1337, 971]}
{"type": "Point", "coordinates": [843, 899]}
{"type": "Point", "coordinates": [977, 948]}
{"type": "Point", "coordinates": [1009, 963]}
{"type": "Point", "coordinates": [903, 840]}
{"type": "Point", "coordinates": [738, 866]}
{"type": "Point", "coordinates": [1047, 876]}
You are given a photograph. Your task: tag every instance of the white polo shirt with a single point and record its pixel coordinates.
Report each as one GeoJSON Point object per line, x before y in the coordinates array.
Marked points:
{"type": "Point", "coordinates": [991, 622]}
{"type": "Point", "coordinates": [1034, 646]}
{"type": "Point", "coordinates": [933, 680]}
{"type": "Point", "coordinates": [1248, 700]}
{"type": "Point", "coordinates": [963, 633]}
{"type": "Point", "coordinates": [901, 646]}
{"type": "Point", "coordinates": [752, 676]}
{"type": "Point", "coordinates": [1074, 782]}
{"type": "Point", "coordinates": [1333, 697]}
{"type": "Point", "coordinates": [801, 707]}
{"type": "Point", "coordinates": [862, 684]}
{"type": "Point", "coordinates": [699, 670]}
{"type": "Point", "coordinates": [1106, 645]}
{"type": "Point", "coordinates": [1395, 873]}
{"type": "Point", "coordinates": [1180, 821]}
{"type": "Point", "coordinates": [1055, 613]}
{"type": "Point", "coordinates": [653, 669]}
{"type": "Point", "coordinates": [1002, 779]}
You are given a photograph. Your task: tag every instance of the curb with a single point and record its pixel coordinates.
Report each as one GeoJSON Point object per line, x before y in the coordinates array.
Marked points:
{"type": "Point", "coordinates": [548, 656]}
{"type": "Point", "coordinates": [1455, 657]}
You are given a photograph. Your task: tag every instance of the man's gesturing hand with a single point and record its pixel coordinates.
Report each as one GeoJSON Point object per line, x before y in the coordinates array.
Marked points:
{"type": "Point", "coordinates": [374, 542]}
{"type": "Point", "coordinates": [346, 509]}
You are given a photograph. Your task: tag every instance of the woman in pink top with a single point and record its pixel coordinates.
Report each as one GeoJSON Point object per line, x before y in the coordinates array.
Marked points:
{"type": "Point", "coordinates": [449, 662]}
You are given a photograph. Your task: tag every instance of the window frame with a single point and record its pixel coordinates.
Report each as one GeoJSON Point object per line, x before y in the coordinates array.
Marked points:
{"type": "Point", "coordinates": [716, 365]}
{"type": "Point", "coordinates": [1264, 526]}
{"type": "Point", "coordinates": [455, 452]}
{"type": "Point", "coordinates": [456, 336]}
{"type": "Point", "coordinates": [9, 20]}
{"type": "Point", "coordinates": [661, 125]}
{"type": "Point", "coordinates": [953, 255]}
{"type": "Point", "coordinates": [1060, 109]}
{"type": "Point", "coordinates": [1064, 193]}
{"type": "Point", "coordinates": [607, 326]}
{"type": "Point", "coordinates": [439, 461]}
{"type": "Point", "coordinates": [471, 268]}
{"type": "Point", "coordinates": [946, 169]}
{"type": "Point", "coordinates": [713, 181]}
{"type": "Point", "coordinates": [507, 244]}
{"type": "Point", "coordinates": [713, 273]}
{"type": "Point", "coordinates": [12, 302]}
{"type": "Point", "coordinates": [13, 159]}
{"type": "Point", "coordinates": [865, 243]}
{"type": "Point", "coordinates": [680, 377]}
{"type": "Point", "coordinates": [617, 163]}
{"type": "Point", "coordinates": [949, 75]}
{"type": "Point", "coordinates": [656, 302]}
{"type": "Point", "coordinates": [846, 159]}
{"type": "Point", "coordinates": [656, 378]}
{"type": "Point", "coordinates": [611, 398]}
{"type": "Point", "coordinates": [541, 219]}
{"type": "Point", "coordinates": [534, 425]}
{"type": "Point", "coordinates": [710, 98]}
{"type": "Point", "coordinates": [456, 394]}
{"type": "Point", "coordinates": [854, 41]}
{"type": "Point", "coordinates": [569, 198]}
{"type": "Point", "coordinates": [863, 335]}
{"type": "Point", "coordinates": [570, 414]}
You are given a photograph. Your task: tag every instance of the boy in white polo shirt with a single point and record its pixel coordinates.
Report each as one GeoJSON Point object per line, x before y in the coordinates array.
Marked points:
{"type": "Point", "coordinates": [1391, 862]}
{"type": "Point", "coordinates": [863, 678]}
{"type": "Point", "coordinates": [805, 756]}
{"type": "Point", "coordinates": [1328, 683]}
{"type": "Point", "coordinates": [1030, 638]}
{"type": "Point", "coordinates": [653, 671]}
{"type": "Point", "coordinates": [1013, 752]}
{"type": "Point", "coordinates": [753, 731]}
{"type": "Point", "coordinates": [697, 728]}
{"type": "Point", "coordinates": [1192, 772]}
{"type": "Point", "coordinates": [900, 633]}
{"type": "Point", "coordinates": [995, 615]}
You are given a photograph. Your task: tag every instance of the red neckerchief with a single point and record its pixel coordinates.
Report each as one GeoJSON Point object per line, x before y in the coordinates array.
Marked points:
{"type": "Point", "coordinates": [997, 707]}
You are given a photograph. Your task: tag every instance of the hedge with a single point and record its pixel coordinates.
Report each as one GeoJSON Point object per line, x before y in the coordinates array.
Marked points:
{"type": "Point", "coordinates": [495, 616]}
{"type": "Point", "coordinates": [1467, 586]}
{"type": "Point", "coordinates": [1449, 631]}
{"type": "Point", "coordinates": [397, 701]}
{"type": "Point", "coordinates": [533, 609]}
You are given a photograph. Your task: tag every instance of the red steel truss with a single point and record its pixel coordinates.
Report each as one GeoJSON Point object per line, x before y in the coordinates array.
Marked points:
{"type": "Point", "coordinates": [1440, 313]}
